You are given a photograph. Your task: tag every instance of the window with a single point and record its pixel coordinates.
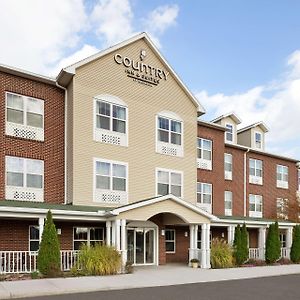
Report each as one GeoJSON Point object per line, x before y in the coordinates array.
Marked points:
{"type": "Point", "coordinates": [24, 116]}
{"type": "Point", "coordinates": [24, 178]}
{"type": "Point", "coordinates": [258, 140]}
{"type": "Point", "coordinates": [229, 133]}
{"type": "Point", "coordinates": [111, 180]}
{"type": "Point", "coordinates": [282, 208]}
{"type": "Point", "coordinates": [87, 236]}
{"type": "Point", "coordinates": [282, 177]}
{"type": "Point", "coordinates": [255, 206]}
{"type": "Point", "coordinates": [255, 171]}
{"type": "Point", "coordinates": [34, 238]}
{"type": "Point", "coordinates": [228, 166]}
{"type": "Point", "coordinates": [169, 131]}
{"type": "Point", "coordinates": [204, 196]}
{"type": "Point", "coordinates": [170, 240]}
{"type": "Point", "coordinates": [204, 154]}
{"type": "Point", "coordinates": [169, 182]}
{"type": "Point", "coordinates": [228, 203]}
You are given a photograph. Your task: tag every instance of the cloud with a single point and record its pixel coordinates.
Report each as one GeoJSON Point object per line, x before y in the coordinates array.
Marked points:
{"type": "Point", "coordinates": [277, 104]}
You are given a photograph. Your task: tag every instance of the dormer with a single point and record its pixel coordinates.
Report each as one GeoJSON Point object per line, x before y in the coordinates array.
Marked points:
{"type": "Point", "coordinates": [253, 136]}
{"type": "Point", "coordinates": [230, 122]}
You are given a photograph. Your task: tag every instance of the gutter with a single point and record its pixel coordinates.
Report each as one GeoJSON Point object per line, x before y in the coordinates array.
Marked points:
{"type": "Point", "coordinates": [65, 150]}
{"type": "Point", "coordinates": [245, 182]}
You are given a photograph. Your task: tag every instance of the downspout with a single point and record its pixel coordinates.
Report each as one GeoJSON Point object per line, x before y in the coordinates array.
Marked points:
{"type": "Point", "coordinates": [245, 182]}
{"type": "Point", "coordinates": [65, 137]}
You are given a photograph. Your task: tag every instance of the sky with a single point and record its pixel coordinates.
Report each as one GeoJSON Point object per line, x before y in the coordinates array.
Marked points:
{"type": "Point", "coordinates": [234, 55]}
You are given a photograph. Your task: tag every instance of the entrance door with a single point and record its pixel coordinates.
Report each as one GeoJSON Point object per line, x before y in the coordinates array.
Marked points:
{"type": "Point", "coordinates": [140, 243]}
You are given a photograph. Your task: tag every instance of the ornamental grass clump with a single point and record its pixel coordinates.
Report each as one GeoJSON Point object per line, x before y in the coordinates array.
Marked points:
{"type": "Point", "coordinates": [99, 260]}
{"type": "Point", "coordinates": [221, 254]}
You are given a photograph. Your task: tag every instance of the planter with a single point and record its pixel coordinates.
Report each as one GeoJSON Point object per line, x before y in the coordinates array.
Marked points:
{"type": "Point", "coordinates": [195, 265]}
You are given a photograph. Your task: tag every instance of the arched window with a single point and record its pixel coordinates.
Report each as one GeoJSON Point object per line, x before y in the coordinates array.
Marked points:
{"type": "Point", "coordinates": [110, 120]}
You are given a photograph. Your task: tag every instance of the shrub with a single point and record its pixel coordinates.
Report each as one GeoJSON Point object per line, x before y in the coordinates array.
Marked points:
{"type": "Point", "coordinates": [221, 254]}
{"type": "Point", "coordinates": [99, 260]}
{"type": "Point", "coordinates": [256, 262]}
{"type": "Point", "coordinates": [48, 260]}
{"type": "Point", "coordinates": [240, 245]}
{"type": "Point", "coordinates": [273, 244]}
{"type": "Point", "coordinates": [244, 244]}
{"type": "Point", "coordinates": [295, 250]}
{"type": "Point", "coordinates": [284, 261]}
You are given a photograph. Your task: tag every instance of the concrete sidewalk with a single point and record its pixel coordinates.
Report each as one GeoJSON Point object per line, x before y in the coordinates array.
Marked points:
{"type": "Point", "coordinates": [142, 277]}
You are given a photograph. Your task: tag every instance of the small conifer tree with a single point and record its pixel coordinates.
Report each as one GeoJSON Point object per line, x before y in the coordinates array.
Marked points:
{"type": "Point", "coordinates": [237, 246]}
{"type": "Point", "coordinates": [272, 244]}
{"type": "Point", "coordinates": [48, 260]}
{"type": "Point", "coordinates": [244, 244]}
{"type": "Point", "coordinates": [295, 250]}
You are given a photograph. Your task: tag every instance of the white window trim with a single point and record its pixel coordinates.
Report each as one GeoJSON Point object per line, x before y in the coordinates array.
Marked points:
{"type": "Point", "coordinates": [122, 194]}
{"type": "Point", "coordinates": [202, 163]}
{"type": "Point", "coordinates": [37, 130]}
{"type": "Point", "coordinates": [228, 174]}
{"type": "Point", "coordinates": [169, 148]}
{"type": "Point", "coordinates": [32, 240]}
{"type": "Point", "coordinates": [228, 212]}
{"type": "Point", "coordinates": [169, 171]}
{"type": "Point", "coordinates": [255, 179]}
{"type": "Point", "coordinates": [256, 213]}
{"type": "Point", "coordinates": [206, 206]}
{"type": "Point", "coordinates": [261, 140]}
{"type": "Point", "coordinates": [110, 136]}
{"type": "Point", "coordinates": [173, 241]}
{"type": "Point", "coordinates": [282, 184]}
{"type": "Point", "coordinates": [88, 235]}
{"type": "Point", "coordinates": [233, 133]}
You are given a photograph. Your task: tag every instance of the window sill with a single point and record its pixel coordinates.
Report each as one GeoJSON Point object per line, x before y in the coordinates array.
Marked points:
{"type": "Point", "coordinates": [110, 137]}
{"type": "Point", "coordinates": [169, 149]}
{"type": "Point", "coordinates": [24, 132]}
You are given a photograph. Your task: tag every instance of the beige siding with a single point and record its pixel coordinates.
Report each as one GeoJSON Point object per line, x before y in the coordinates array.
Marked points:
{"type": "Point", "coordinates": [229, 120]}
{"type": "Point", "coordinates": [104, 76]}
{"type": "Point", "coordinates": [244, 138]}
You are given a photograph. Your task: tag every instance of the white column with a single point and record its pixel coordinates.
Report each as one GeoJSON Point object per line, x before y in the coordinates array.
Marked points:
{"type": "Point", "coordinates": [41, 227]}
{"type": "Point", "coordinates": [289, 240]}
{"type": "Point", "coordinates": [117, 235]}
{"type": "Point", "coordinates": [230, 234]}
{"type": "Point", "coordinates": [262, 242]}
{"type": "Point", "coordinates": [123, 241]}
{"type": "Point", "coordinates": [203, 246]}
{"type": "Point", "coordinates": [207, 244]}
{"type": "Point", "coordinates": [108, 233]}
{"type": "Point", "coordinates": [113, 233]}
{"type": "Point", "coordinates": [192, 243]}
{"type": "Point", "coordinates": [196, 237]}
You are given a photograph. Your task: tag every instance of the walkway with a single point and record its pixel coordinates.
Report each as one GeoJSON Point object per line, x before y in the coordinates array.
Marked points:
{"type": "Point", "coordinates": [142, 277]}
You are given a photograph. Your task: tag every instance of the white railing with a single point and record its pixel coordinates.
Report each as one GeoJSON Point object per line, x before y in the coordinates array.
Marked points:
{"type": "Point", "coordinates": [12, 262]}
{"type": "Point", "coordinates": [254, 253]}
{"type": "Point", "coordinates": [285, 252]}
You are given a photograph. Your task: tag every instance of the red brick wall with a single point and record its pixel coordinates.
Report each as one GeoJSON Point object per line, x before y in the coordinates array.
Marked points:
{"type": "Point", "coordinates": [216, 176]}
{"type": "Point", "coordinates": [51, 150]}
{"type": "Point", "coordinates": [219, 232]}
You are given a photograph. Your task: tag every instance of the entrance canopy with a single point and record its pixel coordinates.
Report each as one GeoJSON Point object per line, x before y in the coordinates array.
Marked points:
{"type": "Point", "coordinates": [145, 209]}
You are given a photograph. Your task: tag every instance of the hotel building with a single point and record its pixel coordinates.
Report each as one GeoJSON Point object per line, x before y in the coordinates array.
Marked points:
{"type": "Point", "coordinates": [117, 149]}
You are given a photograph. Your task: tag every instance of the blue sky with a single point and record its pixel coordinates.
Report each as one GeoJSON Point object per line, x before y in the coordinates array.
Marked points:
{"type": "Point", "coordinates": [233, 55]}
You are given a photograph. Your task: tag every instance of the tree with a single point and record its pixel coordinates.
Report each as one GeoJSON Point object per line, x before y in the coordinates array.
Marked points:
{"type": "Point", "coordinates": [273, 244]}
{"type": "Point", "coordinates": [295, 250]}
{"type": "Point", "coordinates": [48, 260]}
{"type": "Point", "coordinates": [237, 246]}
{"type": "Point", "coordinates": [244, 243]}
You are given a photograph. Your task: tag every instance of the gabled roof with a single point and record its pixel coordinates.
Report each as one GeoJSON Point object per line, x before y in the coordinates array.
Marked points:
{"type": "Point", "coordinates": [154, 200]}
{"type": "Point", "coordinates": [211, 125]}
{"type": "Point", "coordinates": [67, 73]}
{"type": "Point", "coordinates": [231, 115]}
{"type": "Point", "coordinates": [260, 124]}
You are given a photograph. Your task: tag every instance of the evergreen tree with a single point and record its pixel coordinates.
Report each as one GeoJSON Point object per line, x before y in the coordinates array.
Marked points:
{"type": "Point", "coordinates": [272, 244]}
{"type": "Point", "coordinates": [295, 250]}
{"type": "Point", "coordinates": [48, 260]}
{"type": "Point", "coordinates": [237, 246]}
{"type": "Point", "coordinates": [244, 244]}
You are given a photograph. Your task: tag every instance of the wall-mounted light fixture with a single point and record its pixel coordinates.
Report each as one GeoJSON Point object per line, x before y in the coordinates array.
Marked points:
{"type": "Point", "coordinates": [186, 234]}
{"type": "Point", "coordinates": [163, 232]}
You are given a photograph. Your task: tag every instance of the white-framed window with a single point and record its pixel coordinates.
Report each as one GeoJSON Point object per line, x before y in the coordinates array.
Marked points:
{"type": "Point", "coordinates": [255, 206]}
{"type": "Point", "coordinates": [229, 133]}
{"type": "Point", "coordinates": [169, 182]}
{"type": "Point", "coordinates": [170, 239]}
{"type": "Point", "coordinates": [24, 179]}
{"type": "Point", "coordinates": [110, 120]}
{"type": "Point", "coordinates": [228, 166]}
{"type": "Point", "coordinates": [228, 203]}
{"type": "Point", "coordinates": [255, 171]}
{"type": "Point", "coordinates": [282, 208]}
{"type": "Point", "coordinates": [110, 181]}
{"type": "Point", "coordinates": [282, 177]}
{"type": "Point", "coordinates": [204, 196]}
{"type": "Point", "coordinates": [204, 153]}
{"type": "Point", "coordinates": [34, 238]}
{"type": "Point", "coordinates": [258, 140]}
{"type": "Point", "coordinates": [282, 238]}
{"type": "Point", "coordinates": [87, 236]}
{"type": "Point", "coordinates": [169, 128]}
{"type": "Point", "coordinates": [24, 117]}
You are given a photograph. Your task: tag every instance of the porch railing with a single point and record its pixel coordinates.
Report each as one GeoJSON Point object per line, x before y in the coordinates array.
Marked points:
{"type": "Point", "coordinates": [285, 252]}
{"type": "Point", "coordinates": [257, 253]}
{"type": "Point", "coordinates": [254, 253]}
{"type": "Point", "coordinates": [14, 262]}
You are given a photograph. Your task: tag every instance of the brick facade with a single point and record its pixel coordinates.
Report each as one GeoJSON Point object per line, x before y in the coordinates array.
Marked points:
{"type": "Point", "coordinates": [52, 149]}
